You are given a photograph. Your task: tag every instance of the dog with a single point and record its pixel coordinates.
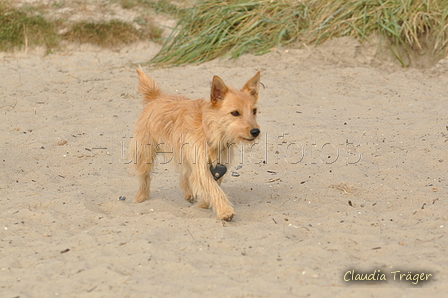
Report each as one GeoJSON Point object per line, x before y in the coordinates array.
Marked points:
{"type": "Point", "coordinates": [200, 135]}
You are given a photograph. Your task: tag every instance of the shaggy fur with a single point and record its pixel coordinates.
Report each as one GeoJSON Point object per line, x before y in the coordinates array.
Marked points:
{"type": "Point", "coordinates": [194, 134]}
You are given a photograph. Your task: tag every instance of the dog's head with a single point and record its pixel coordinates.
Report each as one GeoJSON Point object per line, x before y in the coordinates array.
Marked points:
{"type": "Point", "coordinates": [237, 109]}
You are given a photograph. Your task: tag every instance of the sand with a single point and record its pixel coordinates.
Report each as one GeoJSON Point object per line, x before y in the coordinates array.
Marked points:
{"type": "Point", "coordinates": [350, 173]}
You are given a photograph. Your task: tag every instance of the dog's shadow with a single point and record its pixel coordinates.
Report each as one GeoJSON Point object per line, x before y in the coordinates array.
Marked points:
{"type": "Point", "coordinates": [245, 193]}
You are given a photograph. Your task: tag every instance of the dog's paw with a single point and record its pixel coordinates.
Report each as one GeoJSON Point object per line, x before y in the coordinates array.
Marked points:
{"type": "Point", "coordinates": [139, 198]}
{"type": "Point", "coordinates": [190, 199]}
{"type": "Point", "coordinates": [226, 215]}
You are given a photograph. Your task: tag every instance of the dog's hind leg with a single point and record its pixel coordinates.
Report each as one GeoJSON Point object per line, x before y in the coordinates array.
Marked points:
{"type": "Point", "coordinates": [143, 160]}
{"type": "Point", "coordinates": [185, 184]}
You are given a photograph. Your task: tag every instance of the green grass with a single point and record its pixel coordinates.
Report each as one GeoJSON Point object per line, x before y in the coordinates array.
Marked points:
{"type": "Point", "coordinates": [406, 23]}
{"type": "Point", "coordinates": [213, 29]}
{"type": "Point", "coordinates": [18, 29]}
{"type": "Point", "coordinates": [109, 34]}
{"type": "Point", "coordinates": [24, 27]}
{"type": "Point", "coordinates": [128, 4]}
{"type": "Point", "coordinates": [159, 6]}
{"type": "Point", "coordinates": [166, 7]}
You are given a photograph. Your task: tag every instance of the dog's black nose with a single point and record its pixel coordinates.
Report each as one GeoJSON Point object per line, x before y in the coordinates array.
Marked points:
{"type": "Point", "coordinates": [255, 132]}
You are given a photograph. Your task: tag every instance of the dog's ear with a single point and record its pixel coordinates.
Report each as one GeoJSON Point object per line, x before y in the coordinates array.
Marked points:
{"type": "Point", "coordinates": [253, 85]}
{"type": "Point", "coordinates": [219, 90]}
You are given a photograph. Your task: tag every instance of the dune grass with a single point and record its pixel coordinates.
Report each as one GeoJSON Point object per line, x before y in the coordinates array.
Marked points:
{"type": "Point", "coordinates": [109, 34]}
{"type": "Point", "coordinates": [19, 28]}
{"type": "Point", "coordinates": [159, 6]}
{"type": "Point", "coordinates": [212, 29]}
{"type": "Point", "coordinates": [406, 23]}
{"type": "Point", "coordinates": [26, 27]}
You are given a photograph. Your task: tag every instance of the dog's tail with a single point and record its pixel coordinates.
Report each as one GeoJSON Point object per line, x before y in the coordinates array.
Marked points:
{"type": "Point", "coordinates": [147, 87]}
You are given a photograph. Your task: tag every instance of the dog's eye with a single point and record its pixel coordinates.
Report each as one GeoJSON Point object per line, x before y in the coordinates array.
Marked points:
{"type": "Point", "coordinates": [254, 111]}
{"type": "Point", "coordinates": [235, 113]}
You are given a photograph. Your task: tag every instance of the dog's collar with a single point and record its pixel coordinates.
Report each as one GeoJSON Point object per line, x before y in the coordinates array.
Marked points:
{"type": "Point", "coordinates": [218, 171]}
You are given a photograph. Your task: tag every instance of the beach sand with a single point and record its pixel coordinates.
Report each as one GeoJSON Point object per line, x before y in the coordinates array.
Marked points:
{"type": "Point", "coordinates": [350, 173]}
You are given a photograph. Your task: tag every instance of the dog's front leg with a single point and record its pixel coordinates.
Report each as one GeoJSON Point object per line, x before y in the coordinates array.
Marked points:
{"type": "Point", "coordinates": [209, 193]}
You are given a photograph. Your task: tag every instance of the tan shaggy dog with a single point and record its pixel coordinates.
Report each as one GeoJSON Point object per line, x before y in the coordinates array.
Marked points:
{"type": "Point", "coordinates": [198, 134]}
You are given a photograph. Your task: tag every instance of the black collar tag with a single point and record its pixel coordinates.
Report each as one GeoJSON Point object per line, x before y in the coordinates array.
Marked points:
{"type": "Point", "coordinates": [218, 171]}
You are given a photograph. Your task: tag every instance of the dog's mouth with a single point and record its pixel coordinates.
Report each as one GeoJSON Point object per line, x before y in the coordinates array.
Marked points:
{"type": "Point", "coordinates": [249, 140]}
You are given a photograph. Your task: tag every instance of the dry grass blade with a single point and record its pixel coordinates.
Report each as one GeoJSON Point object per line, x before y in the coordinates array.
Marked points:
{"type": "Point", "coordinates": [347, 189]}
